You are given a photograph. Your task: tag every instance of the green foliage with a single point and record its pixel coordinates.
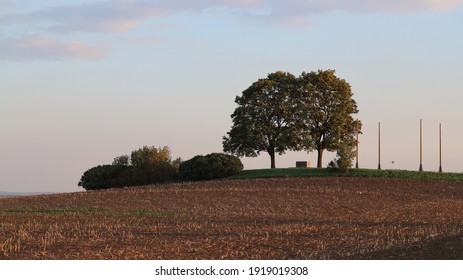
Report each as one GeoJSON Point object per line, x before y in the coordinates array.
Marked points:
{"type": "Point", "coordinates": [328, 106]}
{"type": "Point", "coordinates": [345, 155]}
{"type": "Point", "coordinates": [148, 157]}
{"type": "Point", "coordinates": [121, 160]}
{"type": "Point", "coordinates": [282, 172]}
{"type": "Point", "coordinates": [152, 165]}
{"type": "Point", "coordinates": [147, 165]}
{"type": "Point", "coordinates": [370, 173]}
{"type": "Point", "coordinates": [107, 176]}
{"type": "Point", "coordinates": [212, 166]}
{"type": "Point", "coordinates": [282, 112]}
{"type": "Point", "coordinates": [176, 162]}
{"type": "Point", "coordinates": [264, 119]}
{"type": "Point", "coordinates": [159, 173]}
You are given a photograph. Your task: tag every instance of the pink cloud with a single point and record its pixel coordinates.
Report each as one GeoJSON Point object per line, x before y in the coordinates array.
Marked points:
{"type": "Point", "coordinates": [443, 5]}
{"type": "Point", "coordinates": [113, 16]}
{"type": "Point", "coordinates": [107, 16]}
{"type": "Point", "coordinates": [399, 6]}
{"type": "Point", "coordinates": [320, 6]}
{"type": "Point", "coordinates": [299, 13]}
{"type": "Point", "coordinates": [123, 15]}
{"type": "Point", "coordinates": [39, 48]}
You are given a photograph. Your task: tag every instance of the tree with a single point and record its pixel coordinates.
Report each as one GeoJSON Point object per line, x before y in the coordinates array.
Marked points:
{"type": "Point", "coordinates": [152, 165]}
{"type": "Point", "coordinates": [328, 107]}
{"type": "Point", "coordinates": [147, 157]}
{"type": "Point", "coordinates": [264, 119]}
{"type": "Point", "coordinates": [176, 162]}
{"type": "Point", "coordinates": [121, 160]}
{"type": "Point", "coordinates": [345, 154]}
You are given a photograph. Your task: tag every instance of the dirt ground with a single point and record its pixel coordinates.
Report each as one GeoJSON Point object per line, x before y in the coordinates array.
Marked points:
{"type": "Point", "coordinates": [287, 218]}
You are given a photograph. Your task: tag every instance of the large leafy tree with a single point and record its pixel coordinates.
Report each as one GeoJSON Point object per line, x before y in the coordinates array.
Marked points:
{"type": "Point", "coordinates": [264, 120]}
{"type": "Point", "coordinates": [328, 106]}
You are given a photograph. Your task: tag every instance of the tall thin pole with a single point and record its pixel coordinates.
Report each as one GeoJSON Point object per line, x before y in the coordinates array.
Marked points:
{"type": "Point", "coordinates": [379, 145]}
{"type": "Point", "coordinates": [421, 145]}
{"type": "Point", "coordinates": [440, 147]}
{"type": "Point", "coordinates": [357, 146]}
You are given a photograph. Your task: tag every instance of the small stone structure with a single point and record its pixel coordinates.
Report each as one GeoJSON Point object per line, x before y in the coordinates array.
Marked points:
{"type": "Point", "coordinates": [302, 164]}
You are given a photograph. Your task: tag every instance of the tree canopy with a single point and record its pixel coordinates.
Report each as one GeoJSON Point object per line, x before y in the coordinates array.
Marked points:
{"type": "Point", "coordinates": [264, 119]}
{"type": "Point", "coordinates": [282, 112]}
{"type": "Point", "coordinates": [147, 157]}
{"type": "Point", "coordinates": [329, 108]}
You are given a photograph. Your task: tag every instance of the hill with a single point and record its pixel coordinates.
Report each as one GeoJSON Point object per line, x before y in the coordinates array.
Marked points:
{"type": "Point", "coordinates": [272, 218]}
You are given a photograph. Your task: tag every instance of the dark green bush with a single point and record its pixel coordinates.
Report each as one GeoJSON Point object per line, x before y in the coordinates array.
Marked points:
{"type": "Point", "coordinates": [145, 166]}
{"type": "Point", "coordinates": [119, 176]}
{"type": "Point", "coordinates": [212, 166]}
{"type": "Point", "coordinates": [153, 174]}
{"type": "Point", "coordinates": [107, 176]}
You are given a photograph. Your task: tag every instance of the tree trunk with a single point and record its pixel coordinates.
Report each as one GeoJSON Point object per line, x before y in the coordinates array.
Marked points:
{"type": "Point", "coordinates": [271, 152]}
{"type": "Point", "coordinates": [320, 157]}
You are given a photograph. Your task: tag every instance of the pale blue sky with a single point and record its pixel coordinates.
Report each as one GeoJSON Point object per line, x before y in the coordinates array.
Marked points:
{"type": "Point", "coordinates": [85, 81]}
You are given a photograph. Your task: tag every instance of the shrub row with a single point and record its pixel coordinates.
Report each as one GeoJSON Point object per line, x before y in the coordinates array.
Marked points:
{"type": "Point", "coordinates": [146, 166]}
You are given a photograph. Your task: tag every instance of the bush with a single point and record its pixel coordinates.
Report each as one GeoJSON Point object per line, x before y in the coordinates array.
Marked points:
{"type": "Point", "coordinates": [345, 154]}
{"type": "Point", "coordinates": [107, 176]}
{"type": "Point", "coordinates": [154, 174]}
{"type": "Point", "coordinates": [212, 166]}
{"type": "Point", "coordinates": [148, 165]}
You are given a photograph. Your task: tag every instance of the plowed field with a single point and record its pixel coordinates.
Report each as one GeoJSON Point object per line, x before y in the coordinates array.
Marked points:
{"type": "Point", "coordinates": [287, 218]}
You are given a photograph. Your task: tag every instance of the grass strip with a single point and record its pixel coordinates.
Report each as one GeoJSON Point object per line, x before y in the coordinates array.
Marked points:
{"type": "Point", "coordinates": [369, 173]}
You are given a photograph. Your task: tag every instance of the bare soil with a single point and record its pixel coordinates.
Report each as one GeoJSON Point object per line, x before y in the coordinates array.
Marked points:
{"type": "Point", "coordinates": [286, 218]}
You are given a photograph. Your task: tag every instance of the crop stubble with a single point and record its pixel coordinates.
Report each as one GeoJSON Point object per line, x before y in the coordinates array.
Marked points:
{"type": "Point", "coordinates": [286, 218]}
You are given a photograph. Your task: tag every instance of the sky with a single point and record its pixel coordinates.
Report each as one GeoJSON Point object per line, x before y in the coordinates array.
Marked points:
{"type": "Point", "coordinates": [84, 81]}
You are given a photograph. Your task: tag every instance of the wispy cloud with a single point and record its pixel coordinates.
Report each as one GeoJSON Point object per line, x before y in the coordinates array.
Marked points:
{"type": "Point", "coordinates": [299, 12]}
{"type": "Point", "coordinates": [122, 16]}
{"type": "Point", "coordinates": [112, 16]}
{"type": "Point", "coordinates": [116, 16]}
{"type": "Point", "coordinates": [408, 6]}
{"type": "Point", "coordinates": [39, 48]}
